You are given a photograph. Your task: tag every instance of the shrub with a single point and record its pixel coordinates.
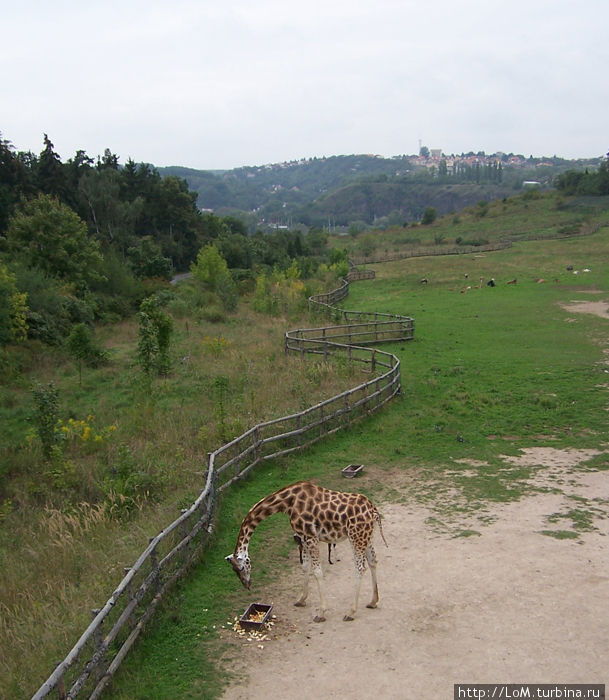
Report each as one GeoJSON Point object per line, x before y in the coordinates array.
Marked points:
{"type": "Point", "coordinates": [83, 349]}
{"type": "Point", "coordinates": [155, 331]}
{"type": "Point", "coordinates": [429, 216]}
{"type": "Point", "coordinates": [46, 400]}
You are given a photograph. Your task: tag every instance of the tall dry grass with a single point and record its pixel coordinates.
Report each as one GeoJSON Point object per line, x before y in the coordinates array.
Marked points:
{"type": "Point", "coordinates": [67, 535]}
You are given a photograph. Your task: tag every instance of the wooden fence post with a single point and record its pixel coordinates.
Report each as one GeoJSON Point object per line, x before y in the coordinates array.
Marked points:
{"type": "Point", "coordinates": [129, 592]}
{"type": "Point", "coordinates": [61, 685]}
{"type": "Point", "coordinates": [184, 532]}
{"type": "Point", "coordinates": [97, 644]}
{"type": "Point", "coordinates": [154, 564]}
{"type": "Point", "coordinates": [256, 436]}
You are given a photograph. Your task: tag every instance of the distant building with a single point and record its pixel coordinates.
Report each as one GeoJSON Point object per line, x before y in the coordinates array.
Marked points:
{"type": "Point", "coordinates": [531, 183]}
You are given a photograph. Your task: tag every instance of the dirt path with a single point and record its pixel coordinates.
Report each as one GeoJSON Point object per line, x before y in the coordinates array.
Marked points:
{"type": "Point", "coordinates": [509, 605]}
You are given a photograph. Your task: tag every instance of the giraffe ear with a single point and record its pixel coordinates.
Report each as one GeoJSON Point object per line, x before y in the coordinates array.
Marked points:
{"type": "Point", "coordinates": [229, 557]}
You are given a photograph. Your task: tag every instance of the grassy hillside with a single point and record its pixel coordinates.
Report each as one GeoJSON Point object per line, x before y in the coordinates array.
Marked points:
{"type": "Point", "coordinates": [369, 201]}
{"type": "Point", "coordinates": [490, 370]}
{"type": "Point", "coordinates": [527, 216]}
{"type": "Point", "coordinates": [345, 189]}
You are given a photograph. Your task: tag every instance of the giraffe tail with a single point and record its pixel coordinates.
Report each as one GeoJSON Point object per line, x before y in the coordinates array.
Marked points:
{"type": "Point", "coordinates": [377, 517]}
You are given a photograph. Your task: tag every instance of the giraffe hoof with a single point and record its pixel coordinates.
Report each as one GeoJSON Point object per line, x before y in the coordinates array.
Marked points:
{"type": "Point", "coordinates": [300, 604]}
{"type": "Point", "coordinates": [348, 618]}
{"type": "Point", "coordinates": [371, 606]}
{"type": "Point", "coordinates": [319, 618]}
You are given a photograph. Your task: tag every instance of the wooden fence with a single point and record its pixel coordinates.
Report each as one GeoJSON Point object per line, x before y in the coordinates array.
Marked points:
{"type": "Point", "coordinates": [439, 250]}
{"type": "Point", "coordinates": [94, 659]}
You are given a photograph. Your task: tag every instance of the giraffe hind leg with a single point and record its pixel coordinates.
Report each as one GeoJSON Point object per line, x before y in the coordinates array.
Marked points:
{"type": "Point", "coordinates": [360, 566]}
{"type": "Point", "coordinates": [317, 572]}
{"type": "Point", "coordinates": [371, 557]}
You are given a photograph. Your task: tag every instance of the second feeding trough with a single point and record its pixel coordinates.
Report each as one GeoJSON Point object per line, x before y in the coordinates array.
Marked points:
{"type": "Point", "coordinates": [255, 616]}
{"type": "Point", "coordinates": [352, 470]}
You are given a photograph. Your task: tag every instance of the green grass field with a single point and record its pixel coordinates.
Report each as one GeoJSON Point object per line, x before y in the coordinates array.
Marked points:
{"type": "Point", "coordinates": [491, 370]}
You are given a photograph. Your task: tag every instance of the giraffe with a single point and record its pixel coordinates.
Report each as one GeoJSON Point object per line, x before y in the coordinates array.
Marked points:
{"type": "Point", "coordinates": [316, 515]}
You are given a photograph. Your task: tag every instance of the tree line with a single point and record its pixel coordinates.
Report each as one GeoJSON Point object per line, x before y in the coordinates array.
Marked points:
{"type": "Point", "coordinates": [585, 182]}
{"type": "Point", "coordinates": [89, 239]}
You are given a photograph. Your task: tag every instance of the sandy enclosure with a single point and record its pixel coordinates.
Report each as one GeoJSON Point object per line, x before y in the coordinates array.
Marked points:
{"type": "Point", "coordinates": [507, 605]}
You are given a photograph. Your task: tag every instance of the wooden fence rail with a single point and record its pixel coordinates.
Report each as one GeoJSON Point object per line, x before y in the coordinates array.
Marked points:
{"type": "Point", "coordinates": [424, 252]}
{"type": "Point", "coordinates": [94, 659]}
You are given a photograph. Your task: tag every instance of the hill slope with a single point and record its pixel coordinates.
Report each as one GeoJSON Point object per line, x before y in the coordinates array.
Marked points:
{"type": "Point", "coordinates": [343, 189]}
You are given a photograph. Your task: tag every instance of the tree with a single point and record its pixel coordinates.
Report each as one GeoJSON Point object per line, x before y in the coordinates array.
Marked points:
{"type": "Point", "coordinates": [79, 344]}
{"type": "Point", "coordinates": [13, 309]}
{"type": "Point", "coordinates": [48, 235]}
{"type": "Point", "coordinates": [429, 216]}
{"type": "Point", "coordinates": [147, 260]}
{"type": "Point", "coordinates": [46, 400]}
{"type": "Point", "coordinates": [603, 176]}
{"type": "Point", "coordinates": [50, 173]}
{"type": "Point", "coordinates": [13, 182]}
{"type": "Point", "coordinates": [82, 347]}
{"type": "Point", "coordinates": [210, 267]}
{"type": "Point", "coordinates": [155, 331]}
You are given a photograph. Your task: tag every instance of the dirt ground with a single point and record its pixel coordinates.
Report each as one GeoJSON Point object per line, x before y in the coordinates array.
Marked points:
{"type": "Point", "coordinates": [507, 604]}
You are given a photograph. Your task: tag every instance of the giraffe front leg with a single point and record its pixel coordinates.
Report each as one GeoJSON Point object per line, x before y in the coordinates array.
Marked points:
{"type": "Point", "coordinates": [306, 567]}
{"type": "Point", "coordinates": [312, 554]}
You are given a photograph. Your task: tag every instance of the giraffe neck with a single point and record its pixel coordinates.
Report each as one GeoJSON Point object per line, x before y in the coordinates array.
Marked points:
{"type": "Point", "coordinates": [263, 509]}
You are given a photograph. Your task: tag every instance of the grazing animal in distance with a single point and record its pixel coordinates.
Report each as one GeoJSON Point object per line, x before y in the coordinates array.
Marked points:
{"type": "Point", "coordinates": [512, 281]}
{"type": "Point", "coordinates": [424, 280]}
{"type": "Point", "coordinates": [491, 282]}
{"type": "Point", "coordinates": [316, 515]}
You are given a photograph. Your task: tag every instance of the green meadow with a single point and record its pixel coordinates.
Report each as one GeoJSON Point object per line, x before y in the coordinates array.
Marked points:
{"type": "Point", "coordinates": [490, 371]}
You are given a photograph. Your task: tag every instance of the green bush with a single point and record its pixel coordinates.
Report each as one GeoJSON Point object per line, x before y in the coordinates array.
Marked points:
{"type": "Point", "coordinates": [155, 331]}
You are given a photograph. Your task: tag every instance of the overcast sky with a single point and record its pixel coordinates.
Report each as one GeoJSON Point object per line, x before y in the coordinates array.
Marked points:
{"type": "Point", "coordinates": [210, 84]}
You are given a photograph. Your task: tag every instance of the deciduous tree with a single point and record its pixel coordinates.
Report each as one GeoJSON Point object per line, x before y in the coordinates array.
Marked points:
{"type": "Point", "coordinates": [48, 235]}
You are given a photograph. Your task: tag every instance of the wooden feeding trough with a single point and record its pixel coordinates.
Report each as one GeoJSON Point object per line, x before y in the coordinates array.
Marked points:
{"type": "Point", "coordinates": [352, 470]}
{"type": "Point", "coordinates": [255, 616]}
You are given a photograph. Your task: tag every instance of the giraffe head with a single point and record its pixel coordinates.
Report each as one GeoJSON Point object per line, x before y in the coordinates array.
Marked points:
{"type": "Point", "coordinates": [242, 566]}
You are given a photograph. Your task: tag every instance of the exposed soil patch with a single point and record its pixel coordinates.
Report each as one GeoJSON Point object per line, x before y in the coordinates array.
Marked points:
{"type": "Point", "coordinates": [498, 603]}
{"type": "Point", "coordinates": [598, 308]}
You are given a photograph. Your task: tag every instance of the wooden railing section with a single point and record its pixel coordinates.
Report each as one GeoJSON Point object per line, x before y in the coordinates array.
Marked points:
{"type": "Point", "coordinates": [94, 659]}
{"type": "Point", "coordinates": [427, 251]}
